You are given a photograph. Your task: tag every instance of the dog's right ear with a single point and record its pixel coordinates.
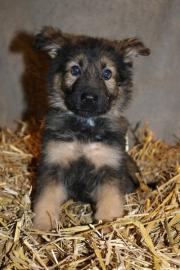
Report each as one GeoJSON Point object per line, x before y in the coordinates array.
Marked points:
{"type": "Point", "coordinates": [50, 40]}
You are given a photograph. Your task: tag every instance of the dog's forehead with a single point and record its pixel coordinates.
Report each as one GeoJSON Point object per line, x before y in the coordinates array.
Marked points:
{"type": "Point", "coordinates": [91, 51]}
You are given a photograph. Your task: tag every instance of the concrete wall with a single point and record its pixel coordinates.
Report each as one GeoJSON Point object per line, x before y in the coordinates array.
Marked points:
{"type": "Point", "coordinates": [157, 77]}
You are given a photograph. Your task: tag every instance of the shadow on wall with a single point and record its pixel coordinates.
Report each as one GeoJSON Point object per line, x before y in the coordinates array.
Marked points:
{"type": "Point", "coordinates": [33, 78]}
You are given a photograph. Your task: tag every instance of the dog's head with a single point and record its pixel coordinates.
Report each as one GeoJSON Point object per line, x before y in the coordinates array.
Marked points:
{"type": "Point", "coordinates": [89, 76]}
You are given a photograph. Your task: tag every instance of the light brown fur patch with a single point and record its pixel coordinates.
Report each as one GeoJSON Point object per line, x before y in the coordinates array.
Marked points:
{"type": "Point", "coordinates": [109, 202]}
{"type": "Point", "coordinates": [99, 154]}
{"type": "Point", "coordinates": [77, 60]}
{"type": "Point", "coordinates": [62, 153]}
{"type": "Point", "coordinates": [57, 82]}
{"type": "Point", "coordinates": [69, 79]}
{"type": "Point", "coordinates": [57, 99]}
{"type": "Point", "coordinates": [111, 83]}
{"type": "Point", "coordinates": [46, 208]}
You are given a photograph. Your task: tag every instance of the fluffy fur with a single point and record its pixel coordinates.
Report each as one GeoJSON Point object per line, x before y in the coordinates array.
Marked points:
{"type": "Point", "coordinates": [83, 151]}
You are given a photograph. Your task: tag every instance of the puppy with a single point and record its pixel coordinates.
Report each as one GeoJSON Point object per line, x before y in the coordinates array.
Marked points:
{"type": "Point", "coordinates": [83, 151]}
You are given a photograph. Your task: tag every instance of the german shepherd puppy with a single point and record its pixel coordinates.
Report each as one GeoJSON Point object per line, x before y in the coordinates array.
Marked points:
{"type": "Point", "coordinates": [83, 152]}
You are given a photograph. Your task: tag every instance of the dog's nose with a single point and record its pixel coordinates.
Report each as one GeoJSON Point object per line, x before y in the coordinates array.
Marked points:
{"type": "Point", "coordinates": [89, 98]}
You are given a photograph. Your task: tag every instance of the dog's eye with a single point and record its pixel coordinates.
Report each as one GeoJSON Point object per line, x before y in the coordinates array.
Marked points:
{"type": "Point", "coordinates": [106, 74]}
{"type": "Point", "coordinates": [75, 70]}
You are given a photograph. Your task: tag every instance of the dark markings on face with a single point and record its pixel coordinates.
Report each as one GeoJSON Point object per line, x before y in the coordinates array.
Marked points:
{"type": "Point", "coordinates": [89, 76]}
{"type": "Point", "coordinates": [89, 81]}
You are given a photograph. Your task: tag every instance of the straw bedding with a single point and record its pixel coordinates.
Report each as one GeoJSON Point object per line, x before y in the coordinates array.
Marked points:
{"type": "Point", "coordinates": [147, 237]}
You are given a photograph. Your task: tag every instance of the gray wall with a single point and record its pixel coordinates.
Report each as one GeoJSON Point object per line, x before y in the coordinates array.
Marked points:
{"type": "Point", "coordinates": [157, 77]}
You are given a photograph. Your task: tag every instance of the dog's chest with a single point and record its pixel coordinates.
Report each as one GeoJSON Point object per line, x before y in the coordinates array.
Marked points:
{"type": "Point", "coordinates": [97, 153]}
{"type": "Point", "coordinates": [83, 138]}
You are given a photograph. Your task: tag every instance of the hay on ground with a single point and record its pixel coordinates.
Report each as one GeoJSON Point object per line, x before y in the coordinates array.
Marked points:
{"type": "Point", "coordinates": [147, 237]}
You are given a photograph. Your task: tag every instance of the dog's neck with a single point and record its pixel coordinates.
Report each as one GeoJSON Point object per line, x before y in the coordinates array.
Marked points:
{"type": "Point", "coordinates": [68, 126]}
{"type": "Point", "coordinates": [87, 121]}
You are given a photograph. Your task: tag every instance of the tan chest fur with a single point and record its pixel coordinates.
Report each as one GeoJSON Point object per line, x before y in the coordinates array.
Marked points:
{"type": "Point", "coordinates": [99, 154]}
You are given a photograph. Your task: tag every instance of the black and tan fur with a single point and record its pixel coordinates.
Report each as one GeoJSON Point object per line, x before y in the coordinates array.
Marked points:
{"type": "Point", "coordinates": [83, 151]}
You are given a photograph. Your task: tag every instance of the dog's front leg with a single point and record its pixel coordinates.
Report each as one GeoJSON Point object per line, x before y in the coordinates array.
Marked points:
{"type": "Point", "coordinates": [47, 203]}
{"type": "Point", "coordinates": [109, 201]}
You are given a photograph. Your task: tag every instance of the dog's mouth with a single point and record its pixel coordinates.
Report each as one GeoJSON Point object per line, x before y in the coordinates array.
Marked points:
{"type": "Point", "coordinates": [86, 112]}
{"type": "Point", "coordinates": [88, 108]}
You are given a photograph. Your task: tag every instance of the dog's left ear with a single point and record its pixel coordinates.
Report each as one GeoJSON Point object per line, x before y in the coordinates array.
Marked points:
{"type": "Point", "coordinates": [50, 40]}
{"type": "Point", "coordinates": [132, 47]}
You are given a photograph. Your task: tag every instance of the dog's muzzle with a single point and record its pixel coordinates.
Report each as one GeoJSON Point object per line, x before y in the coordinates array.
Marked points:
{"type": "Point", "coordinates": [87, 103]}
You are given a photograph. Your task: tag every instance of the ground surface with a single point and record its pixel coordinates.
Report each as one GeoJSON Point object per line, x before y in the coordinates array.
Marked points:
{"type": "Point", "coordinates": [146, 238]}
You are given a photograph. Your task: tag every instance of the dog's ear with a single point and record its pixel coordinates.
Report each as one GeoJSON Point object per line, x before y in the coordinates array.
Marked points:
{"type": "Point", "coordinates": [50, 40]}
{"type": "Point", "coordinates": [132, 47]}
